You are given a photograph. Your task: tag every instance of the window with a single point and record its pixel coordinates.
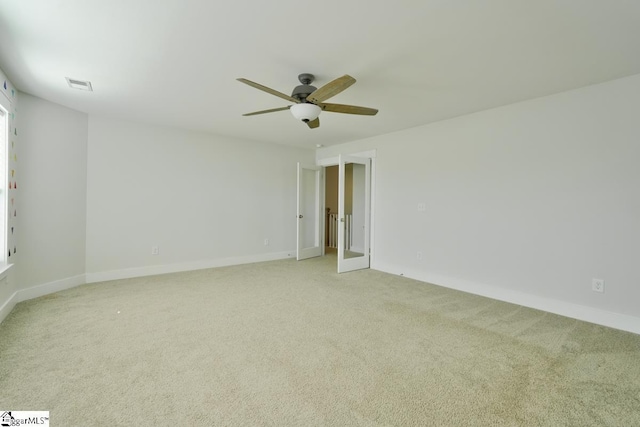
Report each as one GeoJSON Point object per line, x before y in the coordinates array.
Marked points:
{"type": "Point", "coordinates": [4, 145]}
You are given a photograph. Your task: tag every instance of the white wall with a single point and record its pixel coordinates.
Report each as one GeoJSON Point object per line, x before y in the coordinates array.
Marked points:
{"type": "Point", "coordinates": [198, 197]}
{"type": "Point", "coordinates": [526, 203]}
{"type": "Point", "coordinates": [53, 171]}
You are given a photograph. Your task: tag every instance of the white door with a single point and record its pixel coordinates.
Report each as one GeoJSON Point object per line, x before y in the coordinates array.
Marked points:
{"type": "Point", "coordinates": [354, 203]}
{"type": "Point", "coordinates": [309, 215]}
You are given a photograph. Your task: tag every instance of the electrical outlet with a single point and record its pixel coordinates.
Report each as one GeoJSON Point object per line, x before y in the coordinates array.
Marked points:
{"type": "Point", "coordinates": [155, 250]}
{"type": "Point", "coordinates": [422, 207]}
{"type": "Point", "coordinates": [597, 285]}
{"type": "Point", "coordinates": [419, 255]}
{"type": "Point", "coordinates": [266, 242]}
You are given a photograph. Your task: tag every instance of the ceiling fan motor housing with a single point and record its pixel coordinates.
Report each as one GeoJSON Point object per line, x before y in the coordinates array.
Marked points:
{"type": "Point", "coordinates": [302, 91]}
{"type": "Point", "coordinates": [305, 89]}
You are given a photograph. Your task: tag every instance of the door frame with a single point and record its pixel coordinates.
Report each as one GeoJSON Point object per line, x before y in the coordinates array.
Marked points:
{"type": "Point", "coordinates": [324, 162]}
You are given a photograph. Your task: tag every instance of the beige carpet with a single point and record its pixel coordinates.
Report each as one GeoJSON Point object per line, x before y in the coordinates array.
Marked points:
{"type": "Point", "coordinates": [289, 343]}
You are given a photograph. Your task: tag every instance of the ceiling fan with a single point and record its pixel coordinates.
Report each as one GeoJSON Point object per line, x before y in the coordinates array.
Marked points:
{"type": "Point", "coordinates": [308, 101]}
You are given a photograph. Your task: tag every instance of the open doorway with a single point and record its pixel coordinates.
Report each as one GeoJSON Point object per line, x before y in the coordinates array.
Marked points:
{"type": "Point", "coordinates": [334, 215]}
{"type": "Point", "coordinates": [354, 210]}
{"type": "Point", "coordinates": [347, 230]}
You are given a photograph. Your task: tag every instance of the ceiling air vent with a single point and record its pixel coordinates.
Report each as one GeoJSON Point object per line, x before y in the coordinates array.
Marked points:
{"type": "Point", "coordinates": [79, 84]}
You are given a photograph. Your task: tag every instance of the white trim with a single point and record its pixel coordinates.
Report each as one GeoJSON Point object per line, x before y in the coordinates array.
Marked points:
{"type": "Point", "coordinates": [38, 291]}
{"type": "Point", "coordinates": [81, 279]}
{"type": "Point", "coordinates": [7, 307]}
{"type": "Point", "coordinates": [4, 270]}
{"type": "Point", "coordinates": [5, 282]}
{"type": "Point", "coordinates": [371, 154]}
{"type": "Point", "coordinates": [6, 96]}
{"type": "Point", "coordinates": [49, 288]}
{"type": "Point", "coordinates": [575, 311]}
{"type": "Point", "coordinates": [153, 270]}
{"type": "Point", "coordinates": [328, 161]}
{"type": "Point", "coordinates": [334, 161]}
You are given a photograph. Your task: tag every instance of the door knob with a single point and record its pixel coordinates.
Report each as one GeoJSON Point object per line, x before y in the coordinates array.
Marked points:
{"type": "Point", "coordinates": [299, 216]}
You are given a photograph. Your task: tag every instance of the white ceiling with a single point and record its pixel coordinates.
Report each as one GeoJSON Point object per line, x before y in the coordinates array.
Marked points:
{"type": "Point", "coordinates": [174, 62]}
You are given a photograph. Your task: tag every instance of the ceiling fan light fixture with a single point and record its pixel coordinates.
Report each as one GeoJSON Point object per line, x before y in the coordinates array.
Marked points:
{"type": "Point", "coordinates": [305, 111]}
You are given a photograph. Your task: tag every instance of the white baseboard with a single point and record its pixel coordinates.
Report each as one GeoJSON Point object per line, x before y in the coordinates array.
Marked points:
{"type": "Point", "coordinates": [7, 292]}
{"type": "Point", "coordinates": [38, 291]}
{"type": "Point", "coordinates": [72, 282]}
{"type": "Point", "coordinates": [575, 311]}
{"type": "Point", "coordinates": [7, 307]}
{"type": "Point", "coordinates": [129, 273]}
{"type": "Point", "coordinates": [49, 288]}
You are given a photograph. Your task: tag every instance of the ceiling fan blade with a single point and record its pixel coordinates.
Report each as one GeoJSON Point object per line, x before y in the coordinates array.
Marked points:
{"type": "Point", "coordinates": [314, 123]}
{"type": "Point", "coordinates": [332, 88]}
{"type": "Point", "coordinates": [348, 109]}
{"type": "Point", "coordinates": [268, 90]}
{"type": "Point", "coordinates": [273, 110]}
